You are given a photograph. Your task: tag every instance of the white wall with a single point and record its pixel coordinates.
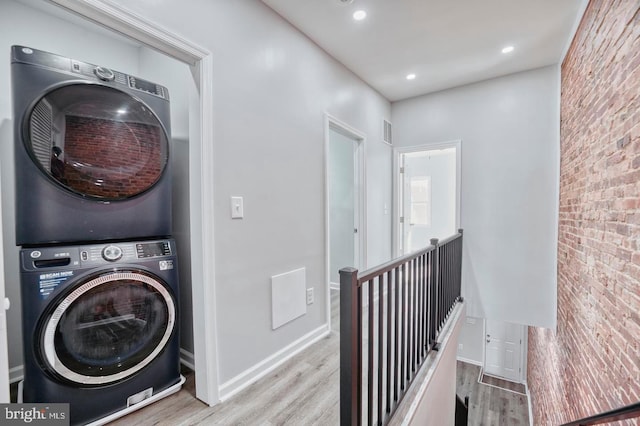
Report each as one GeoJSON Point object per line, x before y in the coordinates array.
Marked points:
{"type": "Point", "coordinates": [510, 159]}
{"type": "Point", "coordinates": [272, 87]}
{"type": "Point", "coordinates": [471, 343]}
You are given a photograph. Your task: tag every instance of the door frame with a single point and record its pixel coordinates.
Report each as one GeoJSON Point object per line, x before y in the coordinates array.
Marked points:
{"type": "Point", "coordinates": [397, 231]}
{"type": "Point", "coordinates": [201, 176]}
{"type": "Point", "coordinates": [331, 122]}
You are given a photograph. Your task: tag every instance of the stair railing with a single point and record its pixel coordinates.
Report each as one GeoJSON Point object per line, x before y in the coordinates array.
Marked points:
{"type": "Point", "coordinates": [390, 319]}
{"type": "Point", "coordinates": [623, 413]}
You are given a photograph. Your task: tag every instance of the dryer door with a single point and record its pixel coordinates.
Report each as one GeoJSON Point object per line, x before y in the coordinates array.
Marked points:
{"type": "Point", "coordinates": [109, 327]}
{"type": "Point", "coordinates": [97, 141]}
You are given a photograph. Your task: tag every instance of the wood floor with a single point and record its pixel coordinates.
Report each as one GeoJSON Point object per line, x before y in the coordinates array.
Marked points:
{"type": "Point", "coordinates": [305, 391]}
{"type": "Point", "coordinates": [489, 405]}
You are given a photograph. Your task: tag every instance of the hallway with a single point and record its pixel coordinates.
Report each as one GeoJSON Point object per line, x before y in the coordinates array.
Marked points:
{"type": "Point", "coordinates": [305, 391]}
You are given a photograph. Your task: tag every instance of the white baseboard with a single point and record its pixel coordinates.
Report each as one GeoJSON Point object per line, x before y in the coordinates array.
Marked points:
{"type": "Point", "coordinates": [264, 367]}
{"type": "Point", "coordinates": [469, 361]}
{"type": "Point", "coordinates": [16, 374]}
{"type": "Point", "coordinates": [187, 359]}
{"type": "Point", "coordinates": [334, 286]}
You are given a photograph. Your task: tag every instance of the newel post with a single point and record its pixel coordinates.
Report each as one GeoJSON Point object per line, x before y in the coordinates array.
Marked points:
{"type": "Point", "coordinates": [349, 347]}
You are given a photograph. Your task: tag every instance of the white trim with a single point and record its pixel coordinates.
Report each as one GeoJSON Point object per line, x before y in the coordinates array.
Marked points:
{"type": "Point", "coordinates": [457, 144]}
{"type": "Point", "coordinates": [137, 27]}
{"type": "Point", "coordinates": [482, 376]}
{"type": "Point", "coordinates": [469, 361]}
{"type": "Point", "coordinates": [266, 366]}
{"type": "Point", "coordinates": [333, 122]}
{"type": "Point", "coordinates": [201, 174]}
{"type": "Point", "coordinates": [16, 373]}
{"type": "Point", "coordinates": [187, 359]}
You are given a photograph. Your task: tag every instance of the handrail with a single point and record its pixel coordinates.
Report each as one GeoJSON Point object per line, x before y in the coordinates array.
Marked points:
{"type": "Point", "coordinates": [622, 413]}
{"type": "Point", "coordinates": [394, 263]}
{"type": "Point", "coordinates": [390, 319]}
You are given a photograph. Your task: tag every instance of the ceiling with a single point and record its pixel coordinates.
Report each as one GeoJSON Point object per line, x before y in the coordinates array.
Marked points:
{"type": "Point", "coordinates": [445, 43]}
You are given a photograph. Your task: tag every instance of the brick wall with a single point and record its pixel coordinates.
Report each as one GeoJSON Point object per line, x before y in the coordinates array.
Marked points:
{"type": "Point", "coordinates": [592, 362]}
{"type": "Point", "coordinates": [111, 159]}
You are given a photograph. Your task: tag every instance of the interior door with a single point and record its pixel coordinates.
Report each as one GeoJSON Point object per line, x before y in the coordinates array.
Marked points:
{"type": "Point", "coordinates": [429, 191]}
{"type": "Point", "coordinates": [344, 198]}
{"type": "Point", "coordinates": [503, 350]}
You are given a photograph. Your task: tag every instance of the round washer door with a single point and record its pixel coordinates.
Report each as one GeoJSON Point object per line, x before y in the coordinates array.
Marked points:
{"type": "Point", "coordinates": [109, 327]}
{"type": "Point", "coordinates": [97, 141]}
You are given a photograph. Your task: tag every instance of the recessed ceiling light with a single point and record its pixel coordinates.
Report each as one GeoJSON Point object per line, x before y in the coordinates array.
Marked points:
{"type": "Point", "coordinates": [411, 76]}
{"type": "Point", "coordinates": [359, 15]}
{"type": "Point", "coordinates": [507, 49]}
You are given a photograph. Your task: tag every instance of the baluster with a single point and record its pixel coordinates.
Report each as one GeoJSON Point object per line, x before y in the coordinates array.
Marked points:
{"type": "Point", "coordinates": [389, 341]}
{"type": "Point", "coordinates": [370, 353]}
{"type": "Point", "coordinates": [379, 400]}
{"type": "Point", "coordinates": [350, 348]}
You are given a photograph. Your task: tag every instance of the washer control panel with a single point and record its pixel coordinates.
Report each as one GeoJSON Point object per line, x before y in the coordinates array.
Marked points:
{"type": "Point", "coordinates": [71, 257]}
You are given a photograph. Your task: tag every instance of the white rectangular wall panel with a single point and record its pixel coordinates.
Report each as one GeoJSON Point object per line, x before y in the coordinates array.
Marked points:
{"type": "Point", "coordinates": [288, 297]}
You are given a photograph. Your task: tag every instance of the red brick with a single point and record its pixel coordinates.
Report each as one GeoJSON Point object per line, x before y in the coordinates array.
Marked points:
{"type": "Point", "coordinates": [592, 363]}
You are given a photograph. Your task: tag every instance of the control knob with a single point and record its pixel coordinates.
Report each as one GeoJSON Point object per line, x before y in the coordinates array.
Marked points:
{"type": "Point", "coordinates": [112, 253]}
{"type": "Point", "coordinates": [104, 74]}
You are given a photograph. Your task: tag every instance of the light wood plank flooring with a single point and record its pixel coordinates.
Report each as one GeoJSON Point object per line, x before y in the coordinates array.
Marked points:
{"type": "Point", "coordinates": [305, 391]}
{"type": "Point", "coordinates": [489, 405]}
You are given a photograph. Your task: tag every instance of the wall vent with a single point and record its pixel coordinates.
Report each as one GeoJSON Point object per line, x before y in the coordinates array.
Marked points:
{"type": "Point", "coordinates": [387, 132]}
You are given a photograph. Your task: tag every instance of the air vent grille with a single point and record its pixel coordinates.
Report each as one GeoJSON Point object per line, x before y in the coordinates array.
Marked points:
{"type": "Point", "coordinates": [388, 138]}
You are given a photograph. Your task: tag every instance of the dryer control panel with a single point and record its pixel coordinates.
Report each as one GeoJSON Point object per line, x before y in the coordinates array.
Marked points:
{"type": "Point", "coordinates": [41, 58]}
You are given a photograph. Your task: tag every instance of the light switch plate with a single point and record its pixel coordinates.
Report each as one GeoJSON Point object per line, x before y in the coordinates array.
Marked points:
{"type": "Point", "coordinates": [237, 208]}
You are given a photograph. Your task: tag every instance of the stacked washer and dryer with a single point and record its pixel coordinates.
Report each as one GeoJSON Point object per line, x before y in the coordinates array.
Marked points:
{"type": "Point", "coordinates": [99, 279]}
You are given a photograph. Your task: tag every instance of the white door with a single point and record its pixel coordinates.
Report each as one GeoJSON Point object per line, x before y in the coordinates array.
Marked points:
{"type": "Point", "coordinates": [429, 194]}
{"type": "Point", "coordinates": [344, 202]}
{"type": "Point", "coordinates": [503, 350]}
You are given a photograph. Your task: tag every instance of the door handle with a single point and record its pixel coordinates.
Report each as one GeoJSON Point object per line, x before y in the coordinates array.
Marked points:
{"type": "Point", "coordinates": [355, 230]}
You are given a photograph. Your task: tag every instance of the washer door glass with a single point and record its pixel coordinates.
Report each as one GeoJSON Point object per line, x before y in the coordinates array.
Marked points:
{"type": "Point", "coordinates": [97, 141]}
{"type": "Point", "coordinates": [109, 327]}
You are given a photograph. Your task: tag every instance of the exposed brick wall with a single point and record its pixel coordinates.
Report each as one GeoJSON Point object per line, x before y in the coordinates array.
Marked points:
{"type": "Point", "coordinates": [592, 363]}
{"type": "Point", "coordinates": [111, 159]}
